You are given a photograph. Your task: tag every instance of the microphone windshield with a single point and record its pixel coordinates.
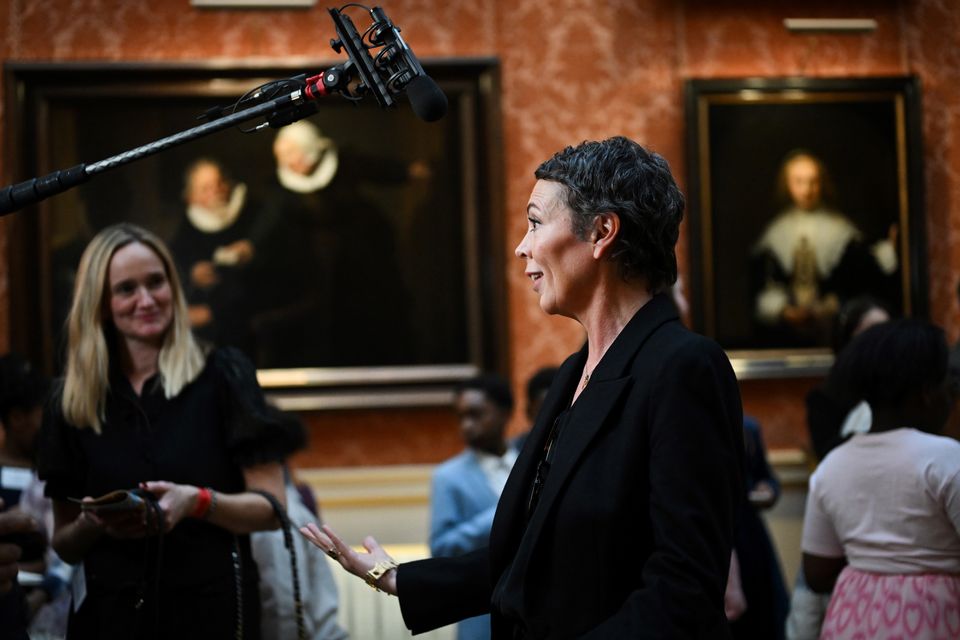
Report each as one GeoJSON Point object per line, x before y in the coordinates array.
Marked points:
{"type": "Point", "coordinates": [426, 98]}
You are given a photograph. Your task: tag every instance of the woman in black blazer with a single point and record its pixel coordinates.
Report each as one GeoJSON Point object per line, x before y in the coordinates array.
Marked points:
{"type": "Point", "coordinates": [617, 520]}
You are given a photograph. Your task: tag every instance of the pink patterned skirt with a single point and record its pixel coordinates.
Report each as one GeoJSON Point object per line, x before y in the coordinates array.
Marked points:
{"type": "Point", "coordinates": [874, 606]}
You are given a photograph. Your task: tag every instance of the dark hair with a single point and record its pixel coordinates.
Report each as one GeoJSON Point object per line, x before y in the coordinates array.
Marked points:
{"type": "Point", "coordinates": [21, 386]}
{"type": "Point", "coordinates": [540, 382]}
{"type": "Point", "coordinates": [889, 361]}
{"type": "Point", "coordinates": [618, 175]}
{"type": "Point", "coordinates": [849, 316]}
{"type": "Point", "coordinates": [196, 164]}
{"type": "Point", "coordinates": [493, 385]}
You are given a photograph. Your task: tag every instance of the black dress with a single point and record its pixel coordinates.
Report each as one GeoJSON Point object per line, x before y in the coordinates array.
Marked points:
{"type": "Point", "coordinates": [205, 436]}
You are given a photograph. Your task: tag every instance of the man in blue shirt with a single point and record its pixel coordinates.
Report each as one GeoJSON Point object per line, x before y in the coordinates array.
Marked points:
{"type": "Point", "coordinates": [466, 487]}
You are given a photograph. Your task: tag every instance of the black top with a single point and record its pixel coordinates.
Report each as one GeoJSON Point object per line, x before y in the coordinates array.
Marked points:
{"type": "Point", "coordinates": [204, 436]}
{"type": "Point", "coordinates": [632, 531]}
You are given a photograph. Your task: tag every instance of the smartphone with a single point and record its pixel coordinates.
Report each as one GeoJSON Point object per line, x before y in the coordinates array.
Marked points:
{"type": "Point", "coordinates": [114, 501]}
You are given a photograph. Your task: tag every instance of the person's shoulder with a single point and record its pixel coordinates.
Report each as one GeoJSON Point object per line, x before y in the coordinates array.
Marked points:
{"type": "Point", "coordinates": [678, 353]}
{"type": "Point", "coordinates": [686, 345]}
{"type": "Point", "coordinates": [227, 358]}
{"type": "Point", "coordinates": [452, 466]}
{"type": "Point", "coordinates": [232, 366]}
{"type": "Point", "coordinates": [836, 463]}
{"type": "Point", "coordinates": [942, 447]}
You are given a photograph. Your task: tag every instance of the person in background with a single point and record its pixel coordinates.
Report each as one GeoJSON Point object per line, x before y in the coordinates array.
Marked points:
{"type": "Point", "coordinates": [317, 589]}
{"type": "Point", "coordinates": [827, 411]}
{"type": "Point", "coordinates": [761, 578]}
{"type": "Point", "coordinates": [537, 387]}
{"type": "Point", "coordinates": [466, 488]}
{"type": "Point", "coordinates": [831, 418]}
{"type": "Point", "coordinates": [617, 520]}
{"type": "Point", "coordinates": [882, 522]}
{"type": "Point", "coordinates": [755, 600]}
{"type": "Point", "coordinates": [23, 392]}
{"type": "Point", "coordinates": [14, 612]}
{"type": "Point", "coordinates": [142, 408]}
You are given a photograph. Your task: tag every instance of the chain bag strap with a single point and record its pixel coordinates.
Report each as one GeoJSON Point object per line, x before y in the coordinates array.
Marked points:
{"type": "Point", "coordinates": [154, 521]}
{"type": "Point", "coordinates": [281, 514]}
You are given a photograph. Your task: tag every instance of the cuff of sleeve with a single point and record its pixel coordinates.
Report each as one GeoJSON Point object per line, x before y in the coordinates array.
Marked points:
{"type": "Point", "coordinates": [886, 256]}
{"type": "Point", "coordinates": [770, 304]}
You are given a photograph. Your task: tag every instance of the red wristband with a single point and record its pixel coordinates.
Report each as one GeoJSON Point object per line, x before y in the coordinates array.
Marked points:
{"type": "Point", "coordinates": [203, 503]}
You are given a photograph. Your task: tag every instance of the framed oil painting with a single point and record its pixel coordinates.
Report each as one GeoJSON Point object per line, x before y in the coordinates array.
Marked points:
{"type": "Point", "coordinates": [805, 196]}
{"type": "Point", "coordinates": [375, 268]}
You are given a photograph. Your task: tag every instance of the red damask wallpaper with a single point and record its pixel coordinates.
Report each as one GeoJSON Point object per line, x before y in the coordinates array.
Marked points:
{"type": "Point", "coordinates": [571, 70]}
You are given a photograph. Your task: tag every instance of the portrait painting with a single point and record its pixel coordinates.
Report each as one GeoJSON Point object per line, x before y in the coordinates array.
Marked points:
{"type": "Point", "coordinates": [805, 197]}
{"type": "Point", "coordinates": [346, 247]}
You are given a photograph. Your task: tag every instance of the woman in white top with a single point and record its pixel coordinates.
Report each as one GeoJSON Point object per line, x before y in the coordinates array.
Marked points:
{"type": "Point", "coordinates": [882, 520]}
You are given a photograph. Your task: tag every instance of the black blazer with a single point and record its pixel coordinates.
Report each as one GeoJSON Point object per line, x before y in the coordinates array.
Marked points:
{"type": "Point", "coordinates": [634, 527]}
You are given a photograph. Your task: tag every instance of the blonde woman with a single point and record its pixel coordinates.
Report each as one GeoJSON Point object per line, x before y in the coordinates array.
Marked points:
{"type": "Point", "coordinates": [142, 406]}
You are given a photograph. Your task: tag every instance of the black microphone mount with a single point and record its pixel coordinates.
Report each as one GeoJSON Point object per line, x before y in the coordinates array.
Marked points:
{"type": "Point", "coordinates": [385, 74]}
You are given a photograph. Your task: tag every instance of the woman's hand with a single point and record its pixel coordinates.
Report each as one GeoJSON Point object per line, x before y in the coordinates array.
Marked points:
{"type": "Point", "coordinates": [359, 564]}
{"type": "Point", "coordinates": [177, 501]}
{"type": "Point", "coordinates": [117, 524]}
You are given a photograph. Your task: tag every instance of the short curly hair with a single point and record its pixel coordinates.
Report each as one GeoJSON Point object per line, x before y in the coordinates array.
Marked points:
{"type": "Point", "coordinates": [620, 176]}
{"type": "Point", "coordinates": [888, 362]}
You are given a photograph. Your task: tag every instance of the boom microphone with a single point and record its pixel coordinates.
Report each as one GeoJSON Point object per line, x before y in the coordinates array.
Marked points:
{"type": "Point", "coordinates": [393, 71]}
{"type": "Point", "coordinates": [426, 98]}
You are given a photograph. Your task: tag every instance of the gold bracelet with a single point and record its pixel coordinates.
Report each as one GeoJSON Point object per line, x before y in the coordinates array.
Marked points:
{"type": "Point", "coordinates": [378, 572]}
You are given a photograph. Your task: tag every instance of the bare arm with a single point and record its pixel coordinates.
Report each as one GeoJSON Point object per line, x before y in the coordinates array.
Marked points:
{"type": "Point", "coordinates": [74, 531]}
{"type": "Point", "coordinates": [821, 572]}
{"type": "Point", "coordinates": [248, 512]}
{"type": "Point", "coordinates": [239, 513]}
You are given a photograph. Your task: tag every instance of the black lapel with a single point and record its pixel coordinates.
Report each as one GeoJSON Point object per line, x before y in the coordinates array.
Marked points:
{"type": "Point", "coordinates": [511, 516]}
{"type": "Point", "coordinates": [607, 383]}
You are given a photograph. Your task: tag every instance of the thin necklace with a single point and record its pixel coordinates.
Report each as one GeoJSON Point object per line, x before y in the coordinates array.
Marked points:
{"type": "Point", "coordinates": [586, 379]}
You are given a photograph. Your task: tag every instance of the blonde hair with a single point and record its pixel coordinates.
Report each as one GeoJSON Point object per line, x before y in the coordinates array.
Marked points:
{"type": "Point", "coordinates": [87, 380]}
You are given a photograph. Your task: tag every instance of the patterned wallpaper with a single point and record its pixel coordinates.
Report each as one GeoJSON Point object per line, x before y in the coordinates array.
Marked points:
{"type": "Point", "coordinates": [571, 70]}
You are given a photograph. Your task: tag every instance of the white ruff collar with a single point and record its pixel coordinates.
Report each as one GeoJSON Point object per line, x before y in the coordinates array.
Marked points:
{"type": "Point", "coordinates": [211, 220]}
{"type": "Point", "coordinates": [318, 179]}
{"type": "Point", "coordinates": [828, 233]}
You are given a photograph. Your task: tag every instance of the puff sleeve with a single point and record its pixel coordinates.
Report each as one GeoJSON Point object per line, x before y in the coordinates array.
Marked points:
{"type": "Point", "coordinates": [256, 432]}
